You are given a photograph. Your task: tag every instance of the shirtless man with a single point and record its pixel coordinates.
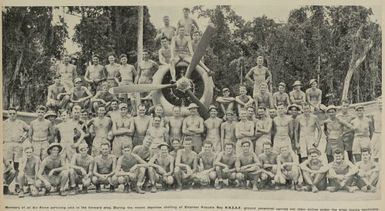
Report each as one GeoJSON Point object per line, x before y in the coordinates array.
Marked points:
{"type": "Point", "coordinates": [81, 170]}
{"type": "Point", "coordinates": [281, 125]}
{"type": "Point", "coordinates": [297, 96]}
{"type": "Point", "coordinates": [264, 97]}
{"type": "Point", "coordinates": [196, 37]}
{"type": "Point", "coordinates": [334, 132]}
{"type": "Point", "coordinates": [112, 68]}
{"type": "Point", "coordinates": [53, 171]}
{"type": "Point", "coordinates": [128, 168]}
{"type": "Point", "coordinates": [247, 165]}
{"type": "Point", "coordinates": [161, 168]}
{"type": "Point", "coordinates": [268, 161]}
{"type": "Point", "coordinates": [225, 165]}
{"type": "Point", "coordinates": [348, 134]}
{"type": "Point", "coordinates": [80, 95]}
{"type": "Point", "coordinates": [175, 123]}
{"type": "Point", "coordinates": [308, 124]}
{"type": "Point", "coordinates": [141, 122]}
{"type": "Point", "coordinates": [67, 130]}
{"type": "Point", "coordinates": [281, 97]}
{"type": "Point", "coordinates": [57, 96]}
{"type": "Point", "coordinates": [40, 132]}
{"type": "Point", "coordinates": [186, 164]}
{"type": "Point", "coordinates": [294, 111]}
{"type": "Point", "coordinates": [243, 101]}
{"type": "Point", "coordinates": [125, 75]}
{"type": "Point", "coordinates": [95, 74]}
{"type": "Point", "coordinates": [314, 171]}
{"type": "Point", "coordinates": [146, 69]}
{"type": "Point", "coordinates": [287, 167]}
{"type": "Point", "coordinates": [101, 125]}
{"type": "Point", "coordinates": [363, 132]}
{"type": "Point", "coordinates": [244, 130]}
{"type": "Point", "coordinates": [158, 134]}
{"type": "Point", "coordinates": [15, 132]}
{"type": "Point", "coordinates": [314, 95]}
{"type": "Point", "coordinates": [257, 75]}
{"type": "Point", "coordinates": [341, 173]}
{"type": "Point", "coordinates": [104, 169]}
{"type": "Point", "coordinates": [159, 111]}
{"type": "Point", "coordinates": [188, 23]}
{"type": "Point", "coordinates": [181, 47]}
{"type": "Point", "coordinates": [263, 126]}
{"type": "Point", "coordinates": [368, 172]}
{"type": "Point", "coordinates": [102, 97]}
{"type": "Point", "coordinates": [213, 132]}
{"type": "Point", "coordinates": [193, 127]}
{"type": "Point", "coordinates": [164, 52]}
{"type": "Point", "coordinates": [123, 129]}
{"type": "Point", "coordinates": [377, 138]}
{"type": "Point", "coordinates": [176, 145]}
{"type": "Point", "coordinates": [167, 31]}
{"type": "Point", "coordinates": [226, 102]}
{"type": "Point", "coordinates": [145, 153]}
{"type": "Point", "coordinates": [68, 72]}
{"type": "Point", "coordinates": [228, 130]}
{"type": "Point", "coordinates": [206, 170]}
{"type": "Point", "coordinates": [114, 111]}
{"type": "Point", "coordinates": [28, 171]}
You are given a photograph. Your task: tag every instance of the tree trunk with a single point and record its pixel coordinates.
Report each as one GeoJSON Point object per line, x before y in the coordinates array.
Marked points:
{"type": "Point", "coordinates": [12, 82]}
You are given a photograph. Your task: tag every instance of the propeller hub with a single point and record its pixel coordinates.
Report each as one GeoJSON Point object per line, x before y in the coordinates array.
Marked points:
{"type": "Point", "coordinates": [183, 84]}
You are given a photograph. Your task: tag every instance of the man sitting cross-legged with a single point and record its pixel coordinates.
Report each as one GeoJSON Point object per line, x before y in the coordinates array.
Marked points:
{"type": "Point", "coordinates": [314, 171]}
{"type": "Point", "coordinates": [206, 168]}
{"type": "Point", "coordinates": [247, 165]}
{"type": "Point", "coordinates": [104, 169]}
{"type": "Point", "coordinates": [161, 168]}
{"type": "Point", "coordinates": [185, 164]}
{"type": "Point", "coordinates": [341, 173]}
{"type": "Point", "coordinates": [288, 168]}
{"type": "Point", "coordinates": [129, 168]}
{"type": "Point", "coordinates": [28, 169]}
{"type": "Point", "coordinates": [268, 161]}
{"type": "Point", "coordinates": [368, 172]}
{"type": "Point", "coordinates": [225, 165]}
{"type": "Point", "coordinates": [81, 169]}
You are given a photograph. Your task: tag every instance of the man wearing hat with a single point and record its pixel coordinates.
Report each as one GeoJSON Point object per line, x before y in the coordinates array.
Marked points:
{"type": "Point", "coordinates": [314, 95]}
{"type": "Point", "coordinates": [226, 102]}
{"type": "Point", "coordinates": [161, 168]}
{"type": "Point", "coordinates": [67, 71]}
{"type": "Point", "coordinates": [308, 124]}
{"type": "Point", "coordinates": [40, 132]}
{"type": "Point", "coordinates": [363, 132]}
{"type": "Point", "coordinates": [193, 126]}
{"type": "Point", "coordinates": [314, 171]}
{"type": "Point", "coordinates": [80, 95]}
{"type": "Point", "coordinates": [257, 75]}
{"type": "Point", "coordinates": [53, 171]}
{"type": "Point", "coordinates": [281, 97]}
{"type": "Point", "coordinates": [128, 168]}
{"type": "Point", "coordinates": [334, 132]}
{"type": "Point", "coordinates": [213, 124]}
{"type": "Point", "coordinates": [225, 165]}
{"type": "Point", "coordinates": [123, 129]}
{"type": "Point", "coordinates": [57, 97]}
{"type": "Point", "coordinates": [188, 23]}
{"type": "Point", "coordinates": [95, 74]}
{"type": "Point", "coordinates": [228, 129]}
{"type": "Point", "coordinates": [81, 170]}
{"type": "Point", "coordinates": [297, 96]}
{"type": "Point", "coordinates": [247, 165]}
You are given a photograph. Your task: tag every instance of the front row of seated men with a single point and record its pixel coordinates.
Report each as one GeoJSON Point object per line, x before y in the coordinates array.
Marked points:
{"type": "Point", "coordinates": [142, 167]}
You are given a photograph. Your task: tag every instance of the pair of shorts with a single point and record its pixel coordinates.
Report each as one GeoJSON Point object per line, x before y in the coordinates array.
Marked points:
{"type": "Point", "coordinates": [333, 144]}
{"type": "Point", "coordinates": [119, 142]}
{"type": "Point", "coordinates": [306, 143]}
{"type": "Point", "coordinates": [13, 151]}
{"type": "Point", "coordinates": [360, 143]}
{"type": "Point", "coordinates": [40, 148]}
{"type": "Point", "coordinates": [281, 141]}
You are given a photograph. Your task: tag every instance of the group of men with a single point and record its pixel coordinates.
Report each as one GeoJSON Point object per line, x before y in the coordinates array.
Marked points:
{"type": "Point", "coordinates": [261, 141]}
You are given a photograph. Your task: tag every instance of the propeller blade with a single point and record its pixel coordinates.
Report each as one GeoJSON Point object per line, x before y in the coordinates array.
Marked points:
{"type": "Point", "coordinates": [138, 88]}
{"type": "Point", "coordinates": [201, 49]}
{"type": "Point", "coordinates": [203, 111]}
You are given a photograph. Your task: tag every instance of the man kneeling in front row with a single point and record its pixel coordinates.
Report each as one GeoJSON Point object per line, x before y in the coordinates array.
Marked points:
{"type": "Point", "coordinates": [161, 168]}
{"type": "Point", "coordinates": [225, 165]}
{"type": "Point", "coordinates": [247, 166]}
{"type": "Point", "coordinates": [28, 171]}
{"type": "Point", "coordinates": [368, 172]}
{"type": "Point", "coordinates": [206, 168]}
{"type": "Point", "coordinates": [104, 168]}
{"type": "Point", "coordinates": [81, 169]}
